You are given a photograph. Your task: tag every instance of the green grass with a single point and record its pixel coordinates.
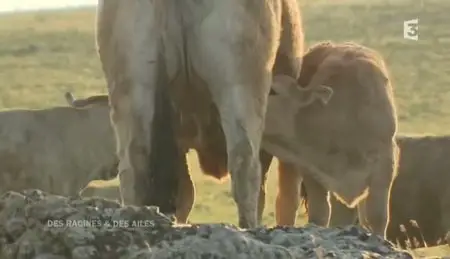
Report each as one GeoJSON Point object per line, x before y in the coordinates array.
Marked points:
{"type": "Point", "coordinates": [44, 54]}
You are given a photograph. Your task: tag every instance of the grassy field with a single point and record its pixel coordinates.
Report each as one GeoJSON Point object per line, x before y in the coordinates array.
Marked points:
{"type": "Point", "coordinates": [44, 54]}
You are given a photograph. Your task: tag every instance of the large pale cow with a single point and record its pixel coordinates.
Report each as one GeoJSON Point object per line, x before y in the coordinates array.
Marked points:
{"type": "Point", "coordinates": [57, 149]}
{"type": "Point", "coordinates": [420, 196]}
{"type": "Point", "coordinates": [199, 67]}
{"type": "Point", "coordinates": [209, 155]}
{"type": "Point", "coordinates": [347, 146]}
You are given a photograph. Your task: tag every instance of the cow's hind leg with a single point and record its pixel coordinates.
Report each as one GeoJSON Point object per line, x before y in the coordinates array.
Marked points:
{"type": "Point", "coordinates": [241, 100]}
{"type": "Point", "coordinates": [129, 45]}
{"type": "Point", "coordinates": [150, 158]}
{"type": "Point", "coordinates": [236, 62]}
{"type": "Point", "coordinates": [243, 130]}
{"type": "Point", "coordinates": [149, 155]}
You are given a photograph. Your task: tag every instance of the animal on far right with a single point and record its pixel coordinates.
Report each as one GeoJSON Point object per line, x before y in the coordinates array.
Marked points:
{"type": "Point", "coordinates": [420, 195]}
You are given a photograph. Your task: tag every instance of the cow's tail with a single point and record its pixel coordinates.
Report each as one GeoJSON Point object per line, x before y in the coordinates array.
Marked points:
{"type": "Point", "coordinates": [82, 103]}
{"type": "Point", "coordinates": [290, 53]}
{"type": "Point", "coordinates": [166, 158]}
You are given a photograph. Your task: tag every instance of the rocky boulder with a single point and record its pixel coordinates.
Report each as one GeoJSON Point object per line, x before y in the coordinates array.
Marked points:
{"type": "Point", "coordinates": [38, 225]}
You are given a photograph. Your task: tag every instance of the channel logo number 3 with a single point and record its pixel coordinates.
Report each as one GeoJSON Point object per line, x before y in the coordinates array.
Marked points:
{"type": "Point", "coordinates": [411, 29]}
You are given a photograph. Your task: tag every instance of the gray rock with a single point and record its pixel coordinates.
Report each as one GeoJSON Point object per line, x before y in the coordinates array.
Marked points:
{"type": "Point", "coordinates": [49, 256]}
{"type": "Point", "coordinates": [85, 252]}
{"type": "Point", "coordinates": [38, 225]}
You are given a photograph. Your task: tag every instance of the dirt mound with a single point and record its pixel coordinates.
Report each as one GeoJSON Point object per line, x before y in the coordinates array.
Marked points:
{"type": "Point", "coordinates": [38, 225]}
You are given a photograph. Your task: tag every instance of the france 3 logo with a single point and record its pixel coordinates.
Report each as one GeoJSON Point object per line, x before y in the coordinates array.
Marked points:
{"type": "Point", "coordinates": [411, 29]}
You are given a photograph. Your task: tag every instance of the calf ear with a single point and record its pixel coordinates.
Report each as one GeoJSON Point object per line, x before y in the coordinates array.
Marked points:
{"type": "Point", "coordinates": [282, 85]}
{"type": "Point", "coordinates": [69, 98]}
{"type": "Point", "coordinates": [323, 93]}
{"type": "Point", "coordinates": [304, 97]}
{"type": "Point", "coordinates": [287, 86]}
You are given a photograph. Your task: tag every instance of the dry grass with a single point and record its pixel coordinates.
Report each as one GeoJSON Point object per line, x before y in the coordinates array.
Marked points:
{"type": "Point", "coordinates": [42, 55]}
{"type": "Point", "coordinates": [420, 248]}
{"type": "Point", "coordinates": [435, 252]}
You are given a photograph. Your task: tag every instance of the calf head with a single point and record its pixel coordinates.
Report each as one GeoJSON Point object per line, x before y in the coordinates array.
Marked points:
{"type": "Point", "coordinates": [286, 100]}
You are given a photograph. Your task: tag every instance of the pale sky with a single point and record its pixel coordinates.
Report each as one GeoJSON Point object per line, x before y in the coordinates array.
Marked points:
{"type": "Point", "coordinates": [22, 5]}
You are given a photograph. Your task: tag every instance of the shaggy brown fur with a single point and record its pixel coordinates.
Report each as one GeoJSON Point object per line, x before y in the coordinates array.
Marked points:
{"type": "Point", "coordinates": [419, 196]}
{"type": "Point", "coordinates": [347, 144]}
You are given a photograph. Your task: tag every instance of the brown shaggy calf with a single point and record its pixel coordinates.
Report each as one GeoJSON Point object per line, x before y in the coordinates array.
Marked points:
{"type": "Point", "coordinates": [346, 143]}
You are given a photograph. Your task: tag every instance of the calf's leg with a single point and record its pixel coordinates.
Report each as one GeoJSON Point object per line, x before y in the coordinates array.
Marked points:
{"type": "Point", "coordinates": [288, 194]}
{"type": "Point", "coordinates": [318, 202]}
{"type": "Point", "coordinates": [186, 194]}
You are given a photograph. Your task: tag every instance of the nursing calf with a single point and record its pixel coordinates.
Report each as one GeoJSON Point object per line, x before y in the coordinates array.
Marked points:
{"type": "Point", "coordinates": [345, 143]}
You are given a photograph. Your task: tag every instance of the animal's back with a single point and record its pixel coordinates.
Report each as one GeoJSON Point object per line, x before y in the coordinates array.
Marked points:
{"type": "Point", "coordinates": [56, 149]}
{"type": "Point", "coordinates": [424, 161]}
{"type": "Point", "coordinates": [361, 111]}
